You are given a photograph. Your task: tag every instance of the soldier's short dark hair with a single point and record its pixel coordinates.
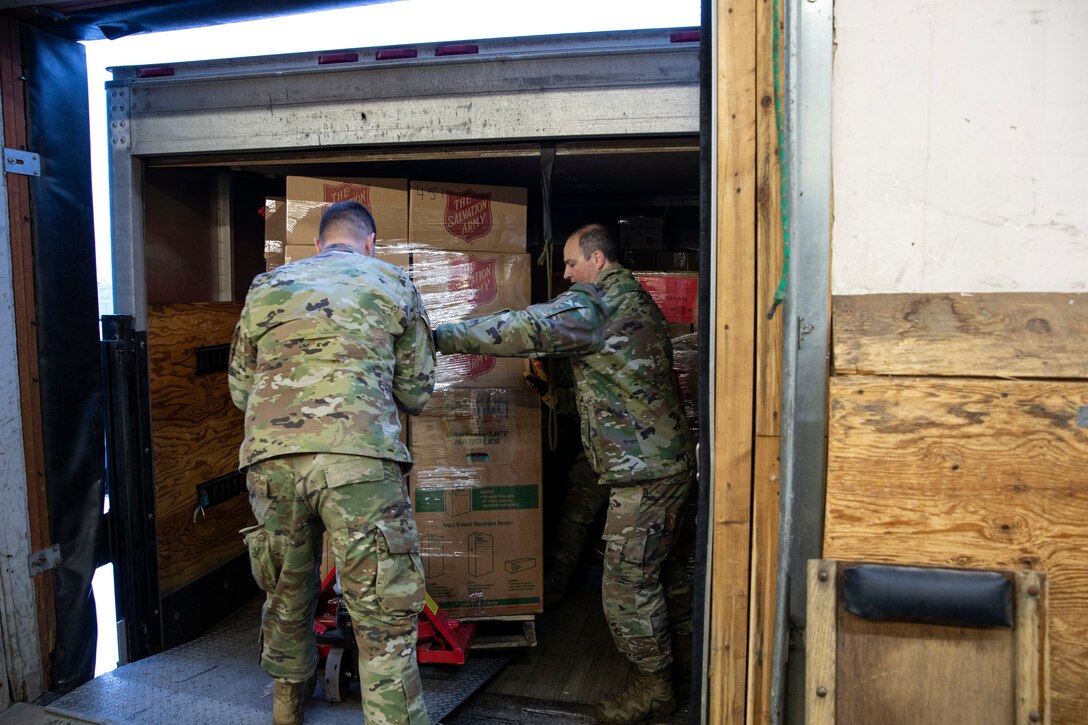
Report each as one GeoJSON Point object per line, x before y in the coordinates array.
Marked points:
{"type": "Point", "coordinates": [351, 216]}
{"type": "Point", "coordinates": [597, 238]}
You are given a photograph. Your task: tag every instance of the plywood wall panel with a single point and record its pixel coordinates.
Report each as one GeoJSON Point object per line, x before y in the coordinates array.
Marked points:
{"type": "Point", "coordinates": [195, 431]}
{"type": "Point", "coordinates": [993, 335]}
{"type": "Point", "coordinates": [970, 473]}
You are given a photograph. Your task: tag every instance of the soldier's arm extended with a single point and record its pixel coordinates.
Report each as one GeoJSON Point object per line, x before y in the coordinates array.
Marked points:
{"type": "Point", "coordinates": [243, 362]}
{"type": "Point", "coordinates": [566, 325]}
{"type": "Point", "coordinates": [413, 375]}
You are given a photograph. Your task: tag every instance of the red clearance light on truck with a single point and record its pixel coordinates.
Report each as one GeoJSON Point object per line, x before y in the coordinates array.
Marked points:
{"type": "Point", "coordinates": [156, 72]}
{"type": "Point", "coordinates": [395, 53]}
{"type": "Point", "coordinates": [457, 50]}
{"type": "Point", "coordinates": [685, 36]}
{"type": "Point", "coordinates": [329, 58]}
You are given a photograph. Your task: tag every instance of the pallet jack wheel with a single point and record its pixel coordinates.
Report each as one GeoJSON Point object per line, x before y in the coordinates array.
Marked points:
{"type": "Point", "coordinates": [337, 676]}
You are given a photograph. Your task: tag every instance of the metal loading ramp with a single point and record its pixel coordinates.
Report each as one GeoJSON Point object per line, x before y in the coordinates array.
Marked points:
{"type": "Point", "coordinates": [216, 678]}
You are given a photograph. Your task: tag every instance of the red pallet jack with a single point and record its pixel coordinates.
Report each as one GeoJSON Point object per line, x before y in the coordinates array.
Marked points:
{"type": "Point", "coordinates": [440, 640]}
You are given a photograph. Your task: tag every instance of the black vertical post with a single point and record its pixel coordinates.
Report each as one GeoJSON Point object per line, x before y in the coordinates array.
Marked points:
{"type": "Point", "coordinates": [129, 481]}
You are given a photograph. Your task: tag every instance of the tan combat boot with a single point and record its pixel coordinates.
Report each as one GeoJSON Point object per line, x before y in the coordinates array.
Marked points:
{"type": "Point", "coordinates": [288, 701]}
{"type": "Point", "coordinates": [646, 694]}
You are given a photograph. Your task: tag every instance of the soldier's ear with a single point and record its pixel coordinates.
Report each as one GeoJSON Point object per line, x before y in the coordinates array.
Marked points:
{"type": "Point", "coordinates": [317, 243]}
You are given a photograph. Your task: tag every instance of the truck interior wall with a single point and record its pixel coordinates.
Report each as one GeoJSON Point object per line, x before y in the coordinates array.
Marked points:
{"type": "Point", "coordinates": [196, 431]}
{"type": "Point", "coordinates": [180, 212]}
{"type": "Point", "coordinates": [247, 199]}
{"type": "Point", "coordinates": [65, 317]}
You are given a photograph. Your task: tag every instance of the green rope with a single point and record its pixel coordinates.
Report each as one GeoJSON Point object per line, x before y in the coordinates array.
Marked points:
{"type": "Point", "coordinates": [780, 292]}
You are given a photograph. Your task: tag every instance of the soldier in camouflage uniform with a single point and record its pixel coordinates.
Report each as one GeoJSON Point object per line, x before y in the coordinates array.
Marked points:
{"type": "Point", "coordinates": [634, 435]}
{"type": "Point", "coordinates": [327, 353]}
{"type": "Point", "coordinates": [584, 500]}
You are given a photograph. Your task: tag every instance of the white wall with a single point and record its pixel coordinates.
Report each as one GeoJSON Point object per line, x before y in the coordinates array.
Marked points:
{"type": "Point", "coordinates": [960, 146]}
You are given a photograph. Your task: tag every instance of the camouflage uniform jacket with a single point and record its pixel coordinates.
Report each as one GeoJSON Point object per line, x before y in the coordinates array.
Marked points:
{"type": "Point", "coordinates": [327, 351]}
{"type": "Point", "coordinates": [633, 426]}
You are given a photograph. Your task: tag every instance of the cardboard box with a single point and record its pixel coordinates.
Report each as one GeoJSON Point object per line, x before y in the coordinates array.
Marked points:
{"type": "Point", "coordinates": [486, 563]}
{"type": "Point", "coordinates": [275, 231]}
{"type": "Point", "coordinates": [676, 293]}
{"type": "Point", "coordinates": [461, 370]}
{"type": "Point", "coordinates": [685, 364]}
{"type": "Point", "coordinates": [395, 258]}
{"type": "Point", "coordinates": [308, 197]}
{"type": "Point", "coordinates": [468, 437]}
{"type": "Point", "coordinates": [639, 259]}
{"type": "Point", "coordinates": [461, 285]}
{"type": "Point", "coordinates": [475, 485]}
{"type": "Point", "coordinates": [295, 252]}
{"type": "Point", "coordinates": [685, 260]}
{"type": "Point", "coordinates": [642, 232]}
{"type": "Point", "coordinates": [467, 217]}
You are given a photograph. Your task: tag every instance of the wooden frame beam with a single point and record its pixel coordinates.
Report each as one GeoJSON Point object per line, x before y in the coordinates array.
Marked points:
{"type": "Point", "coordinates": [22, 263]}
{"type": "Point", "coordinates": [736, 183]}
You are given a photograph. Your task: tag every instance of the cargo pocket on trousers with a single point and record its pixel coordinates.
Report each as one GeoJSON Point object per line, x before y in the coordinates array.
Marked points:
{"type": "Point", "coordinates": [400, 587]}
{"type": "Point", "coordinates": [629, 551]}
{"type": "Point", "coordinates": [260, 557]}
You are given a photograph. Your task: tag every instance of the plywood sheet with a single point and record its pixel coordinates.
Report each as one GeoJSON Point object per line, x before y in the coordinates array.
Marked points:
{"type": "Point", "coordinates": [195, 431]}
{"type": "Point", "coordinates": [995, 335]}
{"type": "Point", "coordinates": [898, 673]}
{"type": "Point", "coordinates": [970, 473]}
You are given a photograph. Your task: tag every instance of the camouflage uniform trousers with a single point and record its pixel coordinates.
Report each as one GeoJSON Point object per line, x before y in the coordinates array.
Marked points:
{"type": "Point", "coordinates": [639, 533]}
{"type": "Point", "coordinates": [585, 499]}
{"type": "Point", "coordinates": [363, 504]}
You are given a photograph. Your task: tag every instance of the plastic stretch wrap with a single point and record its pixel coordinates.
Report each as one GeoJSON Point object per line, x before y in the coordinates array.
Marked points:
{"type": "Point", "coordinates": [461, 285]}
{"type": "Point", "coordinates": [685, 363]}
{"type": "Point", "coordinates": [308, 197]}
{"type": "Point", "coordinates": [275, 231]}
{"type": "Point", "coordinates": [462, 244]}
{"type": "Point", "coordinates": [467, 217]}
{"type": "Point", "coordinates": [475, 486]}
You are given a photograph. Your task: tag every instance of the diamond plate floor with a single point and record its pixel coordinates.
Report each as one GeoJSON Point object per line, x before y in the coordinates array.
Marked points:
{"type": "Point", "coordinates": [217, 679]}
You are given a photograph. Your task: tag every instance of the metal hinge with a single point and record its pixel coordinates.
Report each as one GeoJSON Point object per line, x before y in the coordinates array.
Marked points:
{"type": "Point", "coordinates": [22, 162]}
{"type": "Point", "coordinates": [119, 113]}
{"type": "Point", "coordinates": [44, 560]}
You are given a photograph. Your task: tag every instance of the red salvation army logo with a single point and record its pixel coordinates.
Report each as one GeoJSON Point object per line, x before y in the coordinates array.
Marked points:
{"type": "Point", "coordinates": [475, 275]}
{"type": "Point", "coordinates": [344, 192]}
{"type": "Point", "coordinates": [468, 214]}
{"type": "Point", "coordinates": [469, 366]}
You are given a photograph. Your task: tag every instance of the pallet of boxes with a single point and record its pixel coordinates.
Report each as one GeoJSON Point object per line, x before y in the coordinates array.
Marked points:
{"type": "Point", "coordinates": [476, 480]}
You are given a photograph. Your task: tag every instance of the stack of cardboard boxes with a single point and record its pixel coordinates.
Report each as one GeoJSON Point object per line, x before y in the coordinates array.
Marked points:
{"type": "Point", "coordinates": [477, 447]}
{"type": "Point", "coordinates": [477, 469]}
